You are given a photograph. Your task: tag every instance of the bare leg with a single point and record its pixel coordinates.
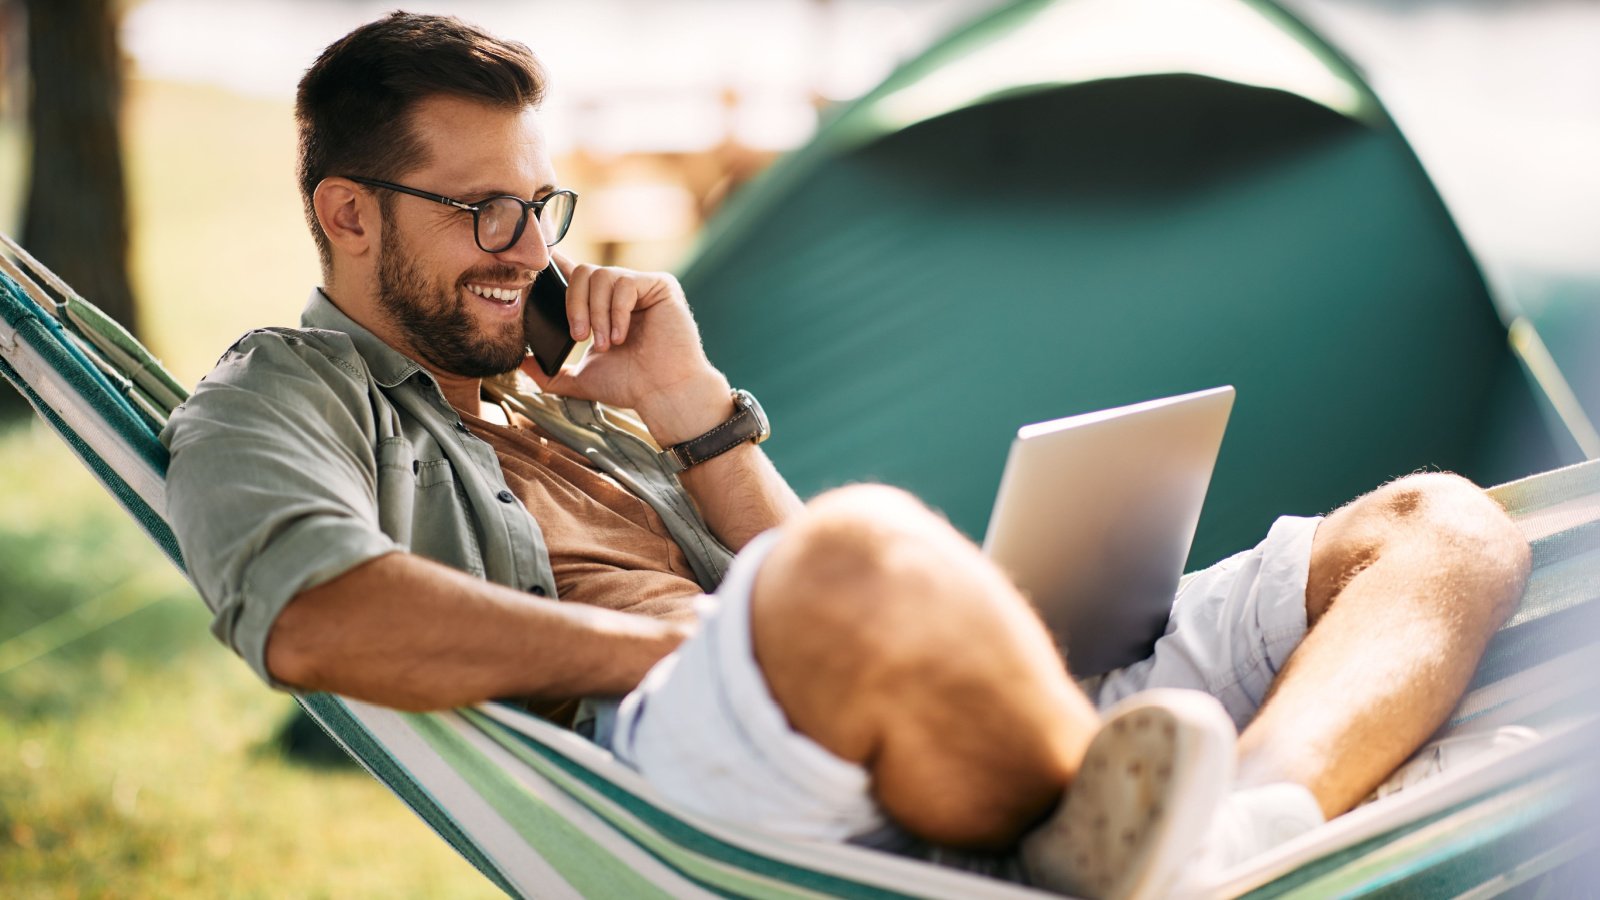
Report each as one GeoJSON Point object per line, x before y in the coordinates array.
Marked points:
{"type": "Point", "coordinates": [1407, 585]}
{"type": "Point", "coordinates": [889, 639]}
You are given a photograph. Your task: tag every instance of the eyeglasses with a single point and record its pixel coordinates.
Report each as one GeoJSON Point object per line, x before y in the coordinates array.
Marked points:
{"type": "Point", "coordinates": [497, 222]}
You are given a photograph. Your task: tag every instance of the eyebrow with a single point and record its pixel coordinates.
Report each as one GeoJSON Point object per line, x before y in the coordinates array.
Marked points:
{"type": "Point", "coordinates": [488, 192]}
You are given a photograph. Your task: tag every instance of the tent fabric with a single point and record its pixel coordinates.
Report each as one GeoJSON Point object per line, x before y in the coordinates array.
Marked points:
{"type": "Point", "coordinates": [542, 812]}
{"type": "Point", "coordinates": [1512, 161]}
{"type": "Point", "coordinates": [1088, 240]}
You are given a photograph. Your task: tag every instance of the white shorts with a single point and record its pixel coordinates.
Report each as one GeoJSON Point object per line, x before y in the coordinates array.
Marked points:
{"type": "Point", "coordinates": [705, 731]}
{"type": "Point", "coordinates": [1232, 626]}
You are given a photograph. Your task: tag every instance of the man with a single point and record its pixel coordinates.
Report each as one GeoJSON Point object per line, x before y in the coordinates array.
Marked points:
{"type": "Point", "coordinates": [372, 505]}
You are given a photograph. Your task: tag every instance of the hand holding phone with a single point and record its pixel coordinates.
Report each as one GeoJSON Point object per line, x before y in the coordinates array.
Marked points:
{"type": "Point", "coordinates": [545, 330]}
{"type": "Point", "coordinates": [644, 338]}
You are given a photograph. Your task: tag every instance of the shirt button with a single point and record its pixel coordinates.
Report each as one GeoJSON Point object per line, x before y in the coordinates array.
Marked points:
{"type": "Point", "coordinates": [506, 497]}
{"type": "Point", "coordinates": [537, 590]}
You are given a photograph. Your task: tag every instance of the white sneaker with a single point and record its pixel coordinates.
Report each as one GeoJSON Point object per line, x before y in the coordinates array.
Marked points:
{"type": "Point", "coordinates": [1251, 821]}
{"type": "Point", "coordinates": [1150, 785]}
{"type": "Point", "coordinates": [1461, 751]}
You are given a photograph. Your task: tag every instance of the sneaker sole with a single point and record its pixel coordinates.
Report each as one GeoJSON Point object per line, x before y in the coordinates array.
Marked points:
{"type": "Point", "coordinates": [1151, 780]}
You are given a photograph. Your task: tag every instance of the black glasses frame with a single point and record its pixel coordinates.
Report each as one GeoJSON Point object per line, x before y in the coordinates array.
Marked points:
{"type": "Point", "coordinates": [528, 206]}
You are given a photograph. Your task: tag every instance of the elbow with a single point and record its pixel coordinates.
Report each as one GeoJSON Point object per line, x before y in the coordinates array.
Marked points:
{"type": "Point", "coordinates": [290, 658]}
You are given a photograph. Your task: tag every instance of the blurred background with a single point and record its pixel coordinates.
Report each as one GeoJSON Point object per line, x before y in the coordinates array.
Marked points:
{"type": "Point", "coordinates": [908, 225]}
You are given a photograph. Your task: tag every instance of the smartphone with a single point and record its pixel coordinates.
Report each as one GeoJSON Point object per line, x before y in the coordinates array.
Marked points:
{"type": "Point", "coordinates": [544, 321]}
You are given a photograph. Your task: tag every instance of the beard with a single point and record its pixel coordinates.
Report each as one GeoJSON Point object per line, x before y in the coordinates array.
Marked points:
{"type": "Point", "coordinates": [436, 322]}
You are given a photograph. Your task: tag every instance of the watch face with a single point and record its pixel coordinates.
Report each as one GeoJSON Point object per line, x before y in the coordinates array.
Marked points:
{"type": "Point", "coordinates": [748, 401]}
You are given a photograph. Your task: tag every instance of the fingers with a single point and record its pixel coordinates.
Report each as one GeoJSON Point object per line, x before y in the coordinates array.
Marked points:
{"type": "Point", "coordinates": [577, 278]}
{"type": "Point", "coordinates": [625, 296]}
{"type": "Point", "coordinates": [602, 285]}
{"type": "Point", "coordinates": [602, 300]}
{"type": "Point", "coordinates": [578, 300]}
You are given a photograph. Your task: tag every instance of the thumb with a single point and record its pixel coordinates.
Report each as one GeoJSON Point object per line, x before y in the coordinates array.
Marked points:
{"type": "Point", "coordinates": [565, 383]}
{"type": "Point", "coordinates": [530, 368]}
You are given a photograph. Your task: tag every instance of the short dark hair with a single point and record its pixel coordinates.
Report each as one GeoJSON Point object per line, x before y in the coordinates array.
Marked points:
{"type": "Point", "coordinates": [354, 104]}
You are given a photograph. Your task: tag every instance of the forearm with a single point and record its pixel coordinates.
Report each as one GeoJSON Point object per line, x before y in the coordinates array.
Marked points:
{"type": "Point", "coordinates": [739, 493]}
{"type": "Point", "coordinates": [405, 632]}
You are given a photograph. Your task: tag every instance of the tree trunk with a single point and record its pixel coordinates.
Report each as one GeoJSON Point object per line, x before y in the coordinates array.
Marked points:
{"type": "Point", "coordinates": [76, 220]}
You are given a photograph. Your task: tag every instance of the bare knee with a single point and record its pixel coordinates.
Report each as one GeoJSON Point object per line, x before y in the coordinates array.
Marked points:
{"type": "Point", "coordinates": [867, 583]}
{"type": "Point", "coordinates": [1436, 521]}
{"type": "Point", "coordinates": [860, 540]}
{"type": "Point", "coordinates": [890, 640]}
{"type": "Point", "coordinates": [1454, 517]}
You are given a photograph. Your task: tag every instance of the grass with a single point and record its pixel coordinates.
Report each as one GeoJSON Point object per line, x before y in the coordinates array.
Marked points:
{"type": "Point", "coordinates": [138, 757]}
{"type": "Point", "coordinates": [219, 242]}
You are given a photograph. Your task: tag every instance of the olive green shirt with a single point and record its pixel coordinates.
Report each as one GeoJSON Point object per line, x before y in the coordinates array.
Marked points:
{"type": "Point", "coordinates": [309, 451]}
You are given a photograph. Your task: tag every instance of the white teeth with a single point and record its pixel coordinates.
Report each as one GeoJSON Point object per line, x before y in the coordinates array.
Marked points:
{"type": "Point", "coordinates": [502, 295]}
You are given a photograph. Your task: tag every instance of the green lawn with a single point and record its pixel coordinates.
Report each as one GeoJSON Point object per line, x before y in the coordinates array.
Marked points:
{"type": "Point", "coordinates": [219, 241]}
{"type": "Point", "coordinates": [137, 756]}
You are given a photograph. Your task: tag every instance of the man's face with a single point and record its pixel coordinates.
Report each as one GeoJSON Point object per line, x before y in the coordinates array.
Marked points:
{"type": "Point", "coordinates": [444, 297]}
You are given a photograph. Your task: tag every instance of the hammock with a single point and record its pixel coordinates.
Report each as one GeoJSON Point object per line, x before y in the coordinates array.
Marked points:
{"type": "Point", "coordinates": [543, 812]}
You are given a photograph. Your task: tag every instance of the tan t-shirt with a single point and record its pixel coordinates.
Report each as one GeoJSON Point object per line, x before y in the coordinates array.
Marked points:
{"type": "Point", "coordinates": [607, 547]}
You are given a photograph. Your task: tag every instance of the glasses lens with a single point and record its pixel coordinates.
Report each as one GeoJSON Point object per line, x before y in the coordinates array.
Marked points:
{"type": "Point", "coordinates": [556, 216]}
{"type": "Point", "coordinates": [497, 223]}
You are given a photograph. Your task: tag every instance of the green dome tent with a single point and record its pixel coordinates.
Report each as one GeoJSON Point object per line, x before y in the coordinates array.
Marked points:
{"type": "Point", "coordinates": [1073, 205]}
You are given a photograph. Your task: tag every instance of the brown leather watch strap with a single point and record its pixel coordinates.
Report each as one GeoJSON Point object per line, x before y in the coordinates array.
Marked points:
{"type": "Point", "coordinates": [748, 423]}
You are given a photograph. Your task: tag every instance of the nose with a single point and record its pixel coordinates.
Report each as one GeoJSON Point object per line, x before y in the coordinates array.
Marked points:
{"type": "Point", "coordinates": [529, 251]}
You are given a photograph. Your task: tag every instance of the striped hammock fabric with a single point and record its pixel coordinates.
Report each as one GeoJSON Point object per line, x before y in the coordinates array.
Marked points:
{"type": "Point", "coordinates": [542, 812]}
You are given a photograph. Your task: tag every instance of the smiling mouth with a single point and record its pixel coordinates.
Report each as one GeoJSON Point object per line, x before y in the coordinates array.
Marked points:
{"type": "Point", "coordinates": [505, 296]}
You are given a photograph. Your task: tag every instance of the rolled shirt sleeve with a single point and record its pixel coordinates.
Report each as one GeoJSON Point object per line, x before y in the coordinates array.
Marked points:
{"type": "Point", "coordinates": [272, 484]}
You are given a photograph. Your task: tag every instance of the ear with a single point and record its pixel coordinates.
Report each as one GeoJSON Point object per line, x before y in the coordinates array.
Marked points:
{"type": "Point", "coordinates": [348, 216]}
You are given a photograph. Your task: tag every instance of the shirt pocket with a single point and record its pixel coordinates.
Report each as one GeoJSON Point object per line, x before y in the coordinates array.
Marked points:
{"type": "Point", "coordinates": [441, 528]}
{"type": "Point", "coordinates": [397, 468]}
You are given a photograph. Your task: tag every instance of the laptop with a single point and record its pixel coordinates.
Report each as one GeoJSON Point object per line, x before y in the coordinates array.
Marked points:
{"type": "Point", "coordinates": [1095, 515]}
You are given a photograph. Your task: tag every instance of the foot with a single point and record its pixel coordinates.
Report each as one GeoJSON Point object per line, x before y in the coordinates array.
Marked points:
{"type": "Point", "coordinates": [1252, 821]}
{"type": "Point", "coordinates": [1460, 752]}
{"type": "Point", "coordinates": [1149, 786]}
{"type": "Point", "coordinates": [1248, 823]}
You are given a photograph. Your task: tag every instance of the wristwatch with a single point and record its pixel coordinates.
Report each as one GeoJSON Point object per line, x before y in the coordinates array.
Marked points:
{"type": "Point", "coordinates": [749, 423]}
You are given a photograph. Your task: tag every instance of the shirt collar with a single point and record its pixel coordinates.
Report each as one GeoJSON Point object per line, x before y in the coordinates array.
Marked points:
{"type": "Point", "coordinates": [389, 366]}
